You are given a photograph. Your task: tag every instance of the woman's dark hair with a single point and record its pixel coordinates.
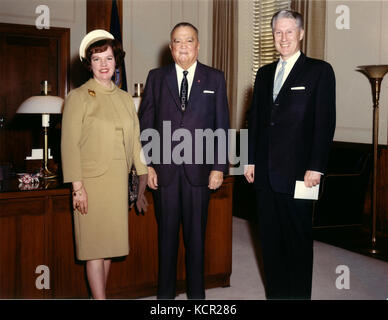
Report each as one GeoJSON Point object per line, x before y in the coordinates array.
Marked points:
{"type": "Point", "coordinates": [102, 46]}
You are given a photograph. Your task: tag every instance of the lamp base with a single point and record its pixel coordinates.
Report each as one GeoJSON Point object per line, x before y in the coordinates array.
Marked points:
{"type": "Point", "coordinates": [47, 174]}
{"type": "Point", "coordinates": [50, 177]}
{"type": "Point", "coordinates": [373, 249]}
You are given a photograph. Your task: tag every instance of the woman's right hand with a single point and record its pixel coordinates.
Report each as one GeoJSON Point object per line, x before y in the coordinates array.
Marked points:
{"type": "Point", "coordinates": [80, 197]}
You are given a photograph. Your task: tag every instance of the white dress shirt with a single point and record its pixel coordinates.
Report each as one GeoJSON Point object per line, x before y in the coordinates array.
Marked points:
{"type": "Point", "coordinates": [288, 67]}
{"type": "Point", "coordinates": [190, 76]}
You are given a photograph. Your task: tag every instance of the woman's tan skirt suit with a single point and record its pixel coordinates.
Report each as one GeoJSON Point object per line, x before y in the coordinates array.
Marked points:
{"type": "Point", "coordinates": [100, 142]}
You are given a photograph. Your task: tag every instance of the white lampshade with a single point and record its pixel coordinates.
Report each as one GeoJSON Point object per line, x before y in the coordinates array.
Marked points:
{"type": "Point", "coordinates": [41, 104]}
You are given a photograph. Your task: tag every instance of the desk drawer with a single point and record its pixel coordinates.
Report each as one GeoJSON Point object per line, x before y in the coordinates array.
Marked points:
{"type": "Point", "coordinates": [32, 206]}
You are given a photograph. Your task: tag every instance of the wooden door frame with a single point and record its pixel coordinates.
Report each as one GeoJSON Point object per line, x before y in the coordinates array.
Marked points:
{"type": "Point", "coordinates": [63, 37]}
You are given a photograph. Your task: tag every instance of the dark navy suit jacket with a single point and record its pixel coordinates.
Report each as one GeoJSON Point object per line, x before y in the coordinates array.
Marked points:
{"type": "Point", "coordinates": [293, 133]}
{"type": "Point", "coordinates": [207, 108]}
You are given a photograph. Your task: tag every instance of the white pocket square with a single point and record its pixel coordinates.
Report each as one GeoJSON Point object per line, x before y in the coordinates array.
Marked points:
{"type": "Point", "coordinates": [208, 91]}
{"type": "Point", "coordinates": [298, 88]}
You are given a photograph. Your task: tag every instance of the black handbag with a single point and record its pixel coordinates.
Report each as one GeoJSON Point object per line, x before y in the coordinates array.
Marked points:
{"type": "Point", "coordinates": [133, 186]}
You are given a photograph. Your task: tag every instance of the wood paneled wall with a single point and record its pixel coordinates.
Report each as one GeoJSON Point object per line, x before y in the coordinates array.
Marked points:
{"type": "Point", "coordinates": [382, 192]}
{"type": "Point", "coordinates": [98, 14]}
{"type": "Point", "coordinates": [382, 195]}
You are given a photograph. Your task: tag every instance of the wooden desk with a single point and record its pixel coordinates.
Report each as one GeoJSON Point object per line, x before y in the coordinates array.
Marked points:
{"type": "Point", "coordinates": [36, 228]}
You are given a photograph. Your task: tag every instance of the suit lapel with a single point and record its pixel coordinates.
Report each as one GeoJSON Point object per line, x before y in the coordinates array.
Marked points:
{"type": "Point", "coordinates": [295, 72]}
{"type": "Point", "coordinates": [172, 84]}
{"type": "Point", "coordinates": [196, 89]}
{"type": "Point", "coordinates": [198, 82]}
{"type": "Point", "coordinates": [271, 80]}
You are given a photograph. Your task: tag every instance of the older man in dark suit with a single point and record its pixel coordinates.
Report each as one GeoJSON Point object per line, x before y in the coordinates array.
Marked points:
{"type": "Point", "coordinates": [179, 100]}
{"type": "Point", "coordinates": [291, 127]}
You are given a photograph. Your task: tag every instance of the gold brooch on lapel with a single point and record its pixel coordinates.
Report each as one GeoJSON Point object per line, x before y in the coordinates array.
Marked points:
{"type": "Point", "coordinates": [92, 93]}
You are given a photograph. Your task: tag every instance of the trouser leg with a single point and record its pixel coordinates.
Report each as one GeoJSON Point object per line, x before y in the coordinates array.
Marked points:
{"type": "Point", "coordinates": [195, 201]}
{"type": "Point", "coordinates": [287, 246]}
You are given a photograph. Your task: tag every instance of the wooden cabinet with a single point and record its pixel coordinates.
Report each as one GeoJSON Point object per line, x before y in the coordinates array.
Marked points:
{"type": "Point", "coordinates": [28, 56]}
{"type": "Point", "coordinates": [36, 228]}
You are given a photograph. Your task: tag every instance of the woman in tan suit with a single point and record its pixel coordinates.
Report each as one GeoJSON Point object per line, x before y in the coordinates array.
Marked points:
{"type": "Point", "coordinates": [100, 142]}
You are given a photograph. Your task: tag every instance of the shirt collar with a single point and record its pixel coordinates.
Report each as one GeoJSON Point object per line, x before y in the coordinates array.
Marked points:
{"type": "Point", "coordinates": [291, 60]}
{"type": "Point", "coordinates": [191, 70]}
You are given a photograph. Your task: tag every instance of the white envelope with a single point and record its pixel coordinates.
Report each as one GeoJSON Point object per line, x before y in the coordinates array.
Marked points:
{"type": "Point", "coordinates": [298, 88]}
{"type": "Point", "coordinates": [302, 192]}
{"type": "Point", "coordinates": [208, 91]}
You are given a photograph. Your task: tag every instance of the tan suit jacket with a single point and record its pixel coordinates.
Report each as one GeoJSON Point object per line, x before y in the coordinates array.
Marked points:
{"type": "Point", "coordinates": [88, 131]}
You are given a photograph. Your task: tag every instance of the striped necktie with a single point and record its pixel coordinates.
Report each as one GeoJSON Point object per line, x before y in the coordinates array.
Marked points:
{"type": "Point", "coordinates": [184, 89]}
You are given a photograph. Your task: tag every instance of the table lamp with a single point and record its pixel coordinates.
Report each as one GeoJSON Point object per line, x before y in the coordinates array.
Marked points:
{"type": "Point", "coordinates": [43, 104]}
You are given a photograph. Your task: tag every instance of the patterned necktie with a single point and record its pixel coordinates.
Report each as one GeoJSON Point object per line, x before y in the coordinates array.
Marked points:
{"type": "Point", "coordinates": [184, 89]}
{"type": "Point", "coordinates": [278, 81]}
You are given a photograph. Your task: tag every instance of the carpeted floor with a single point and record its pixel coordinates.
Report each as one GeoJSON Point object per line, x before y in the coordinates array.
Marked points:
{"type": "Point", "coordinates": [368, 277]}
